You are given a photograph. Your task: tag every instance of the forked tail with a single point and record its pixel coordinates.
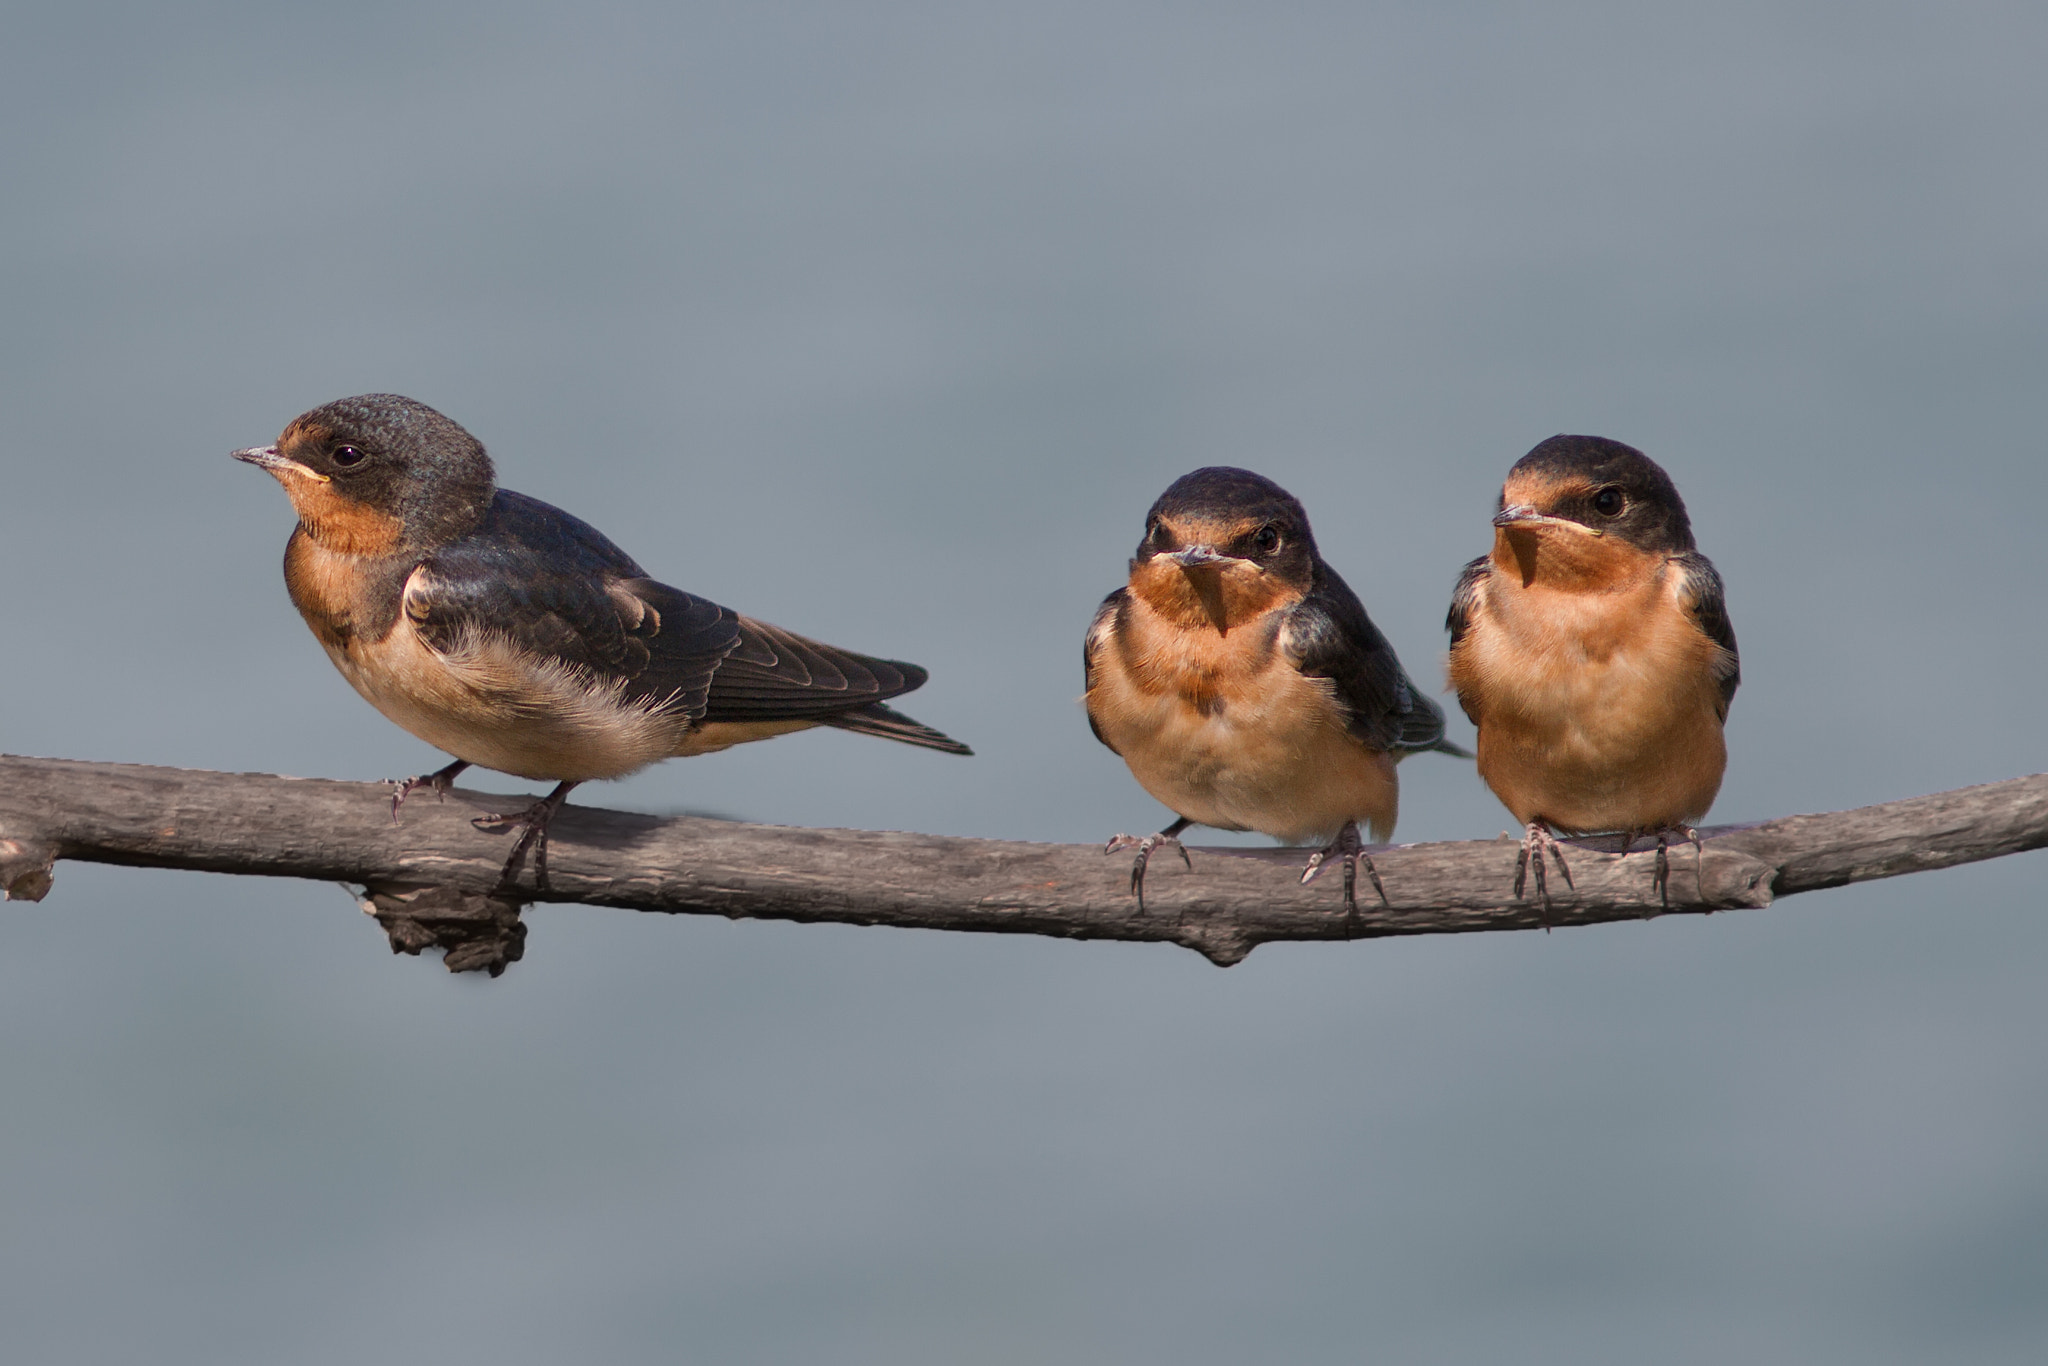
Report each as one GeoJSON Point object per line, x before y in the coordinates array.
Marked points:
{"type": "Point", "coordinates": [890, 724]}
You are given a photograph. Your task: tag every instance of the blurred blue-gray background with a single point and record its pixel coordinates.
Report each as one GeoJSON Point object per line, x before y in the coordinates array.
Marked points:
{"type": "Point", "coordinates": [885, 323]}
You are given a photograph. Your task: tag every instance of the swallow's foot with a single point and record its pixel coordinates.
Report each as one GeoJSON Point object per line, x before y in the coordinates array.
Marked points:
{"type": "Point", "coordinates": [1536, 841]}
{"type": "Point", "coordinates": [1352, 849]}
{"type": "Point", "coordinates": [440, 780]}
{"type": "Point", "coordinates": [1662, 880]}
{"type": "Point", "coordinates": [1170, 835]}
{"type": "Point", "coordinates": [532, 824]}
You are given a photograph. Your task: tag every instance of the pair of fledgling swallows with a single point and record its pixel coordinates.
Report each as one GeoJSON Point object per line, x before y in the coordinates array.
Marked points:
{"type": "Point", "coordinates": [1236, 674]}
{"type": "Point", "coordinates": [1245, 686]}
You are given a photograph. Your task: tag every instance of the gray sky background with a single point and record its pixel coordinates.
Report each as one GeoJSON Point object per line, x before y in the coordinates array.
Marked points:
{"type": "Point", "coordinates": [886, 323]}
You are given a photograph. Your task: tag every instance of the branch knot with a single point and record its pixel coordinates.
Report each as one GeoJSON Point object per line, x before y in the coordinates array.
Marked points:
{"type": "Point", "coordinates": [476, 931]}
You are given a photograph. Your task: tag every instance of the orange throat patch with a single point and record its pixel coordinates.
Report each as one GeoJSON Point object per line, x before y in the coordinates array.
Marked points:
{"type": "Point", "coordinates": [1567, 558]}
{"type": "Point", "coordinates": [1220, 598]}
{"type": "Point", "coordinates": [340, 525]}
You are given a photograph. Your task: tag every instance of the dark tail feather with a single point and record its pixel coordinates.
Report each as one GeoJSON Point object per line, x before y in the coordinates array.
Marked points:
{"type": "Point", "coordinates": [1441, 745]}
{"type": "Point", "coordinates": [890, 724]}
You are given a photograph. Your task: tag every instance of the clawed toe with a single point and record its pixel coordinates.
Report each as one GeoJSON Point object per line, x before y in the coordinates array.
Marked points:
{"type": "Point", "coordinates": [1170, 835]}
{"type": "Point", "coordinates": [439, 782]}
{"type": "Point", "coordinates": [1661, 879]}
{"type": "Point", "coordinates": [1351, 849]}
{"type": "Point", "coordinates": [1536, 841]}
{"type": "Point", "coordinates": [532, 823]}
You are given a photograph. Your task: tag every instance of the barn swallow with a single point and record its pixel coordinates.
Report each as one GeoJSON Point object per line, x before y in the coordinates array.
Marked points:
{"type": "Point", "coordinates": [516, 637]}
{"type": "Point", "coordinates": [1593, 650]}
{"type": "Point", "coordinates": [1245, 686]}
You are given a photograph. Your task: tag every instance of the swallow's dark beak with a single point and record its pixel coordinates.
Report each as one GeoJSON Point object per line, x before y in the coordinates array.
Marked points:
{"type": "Point", "coordinates": [1507, 516]}
{"type": "Point", "coordinates": [1526, 515]}
{"type": "Point", "coordinates": [266, 457]}
{"type": "Point", "coordinates": [1201, 557]}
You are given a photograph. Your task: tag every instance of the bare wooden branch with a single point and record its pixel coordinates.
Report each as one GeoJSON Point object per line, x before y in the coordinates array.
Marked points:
{"type": "Point", "coordinates": [433, 881]}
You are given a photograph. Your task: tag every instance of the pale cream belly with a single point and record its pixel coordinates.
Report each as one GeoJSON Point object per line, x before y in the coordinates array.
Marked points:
{"type": "Point", "coordinates": [1284, 769]}
{"type": "Point", "coordinates": [490, 706]}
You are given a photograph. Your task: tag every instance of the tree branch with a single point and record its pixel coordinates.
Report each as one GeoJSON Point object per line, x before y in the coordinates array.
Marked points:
{"type": "Point", "coordinates": [433, 881]}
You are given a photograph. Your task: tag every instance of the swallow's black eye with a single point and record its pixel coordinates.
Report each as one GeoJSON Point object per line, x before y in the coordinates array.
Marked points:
{"type": "Point", "coordinates": [347, 455]}
{"type": "Point", "coordinates": [1268, 540]}
{"type": "Point", "coordinates": [1608, 502]}
{"type": "Point", "coordinates": [1156, 533]}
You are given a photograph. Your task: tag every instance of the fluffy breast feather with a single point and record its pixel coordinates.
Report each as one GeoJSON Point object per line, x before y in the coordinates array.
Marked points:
{"type": "Point", "coordinates": [1596, 710]}
{"type": "Point", "coordinates": [493, 704]}
{"type": "Point", "coordinates": [1222, 728]}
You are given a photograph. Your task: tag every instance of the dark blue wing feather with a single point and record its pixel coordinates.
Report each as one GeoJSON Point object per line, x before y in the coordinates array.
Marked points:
{"type": "Point", "coordinates": [1459, 618]}
{"type": "Point", "coordinates": [778, 675]}
{"type": "Point", "coordinates": [554, 587]}
{"type": "Point", "coordinates": [1112, 606]}
{"type": "Point", "coordinates": [1710, 610]}
{"type": "Point", "coordinates": [1330, 636]}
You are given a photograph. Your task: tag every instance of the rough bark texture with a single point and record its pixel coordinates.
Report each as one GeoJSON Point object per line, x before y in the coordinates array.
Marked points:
{"type": "Point", "coordinates": [433, 881]}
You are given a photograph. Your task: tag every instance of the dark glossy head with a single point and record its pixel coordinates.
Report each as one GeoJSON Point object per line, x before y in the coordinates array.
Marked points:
{"type": "Point", "coordinates": [1601, 486]}
{"type": "Point", "coordinates": [1220, 516]}
{"type": "Point", "coordinates": [381, 460]}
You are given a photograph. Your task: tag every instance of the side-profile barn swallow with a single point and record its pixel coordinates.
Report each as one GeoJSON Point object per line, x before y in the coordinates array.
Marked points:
{"type": "Point", "coordinates": [1243, 683]}
{"type": "Point", "coordinates": [514, 636]}
{"type": "Point", "coordinates": [1592, 648]}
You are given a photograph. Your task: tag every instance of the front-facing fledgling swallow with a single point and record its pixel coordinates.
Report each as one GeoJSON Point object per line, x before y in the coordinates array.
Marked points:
{"type": "Point", "coordinates": [1592, 648]}
{"type": "Point", "coordinates": [1243, 683]}
{"type": "Point", "coordinates": [516, 637]}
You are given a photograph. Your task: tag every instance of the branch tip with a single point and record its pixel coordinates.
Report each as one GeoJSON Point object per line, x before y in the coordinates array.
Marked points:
{"type": "Point", "coordinates": [27, 870]}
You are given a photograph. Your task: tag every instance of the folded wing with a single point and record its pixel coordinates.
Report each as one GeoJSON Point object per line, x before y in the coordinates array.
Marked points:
{"type": "Point", "coordinates": [1329, 635]}
{"type": "Point", "coordinates": [1709, 602]}
{"type": "Point", "coordinates": [778, 675]}
{"type": "Point", "coordinates": [554, 588]}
